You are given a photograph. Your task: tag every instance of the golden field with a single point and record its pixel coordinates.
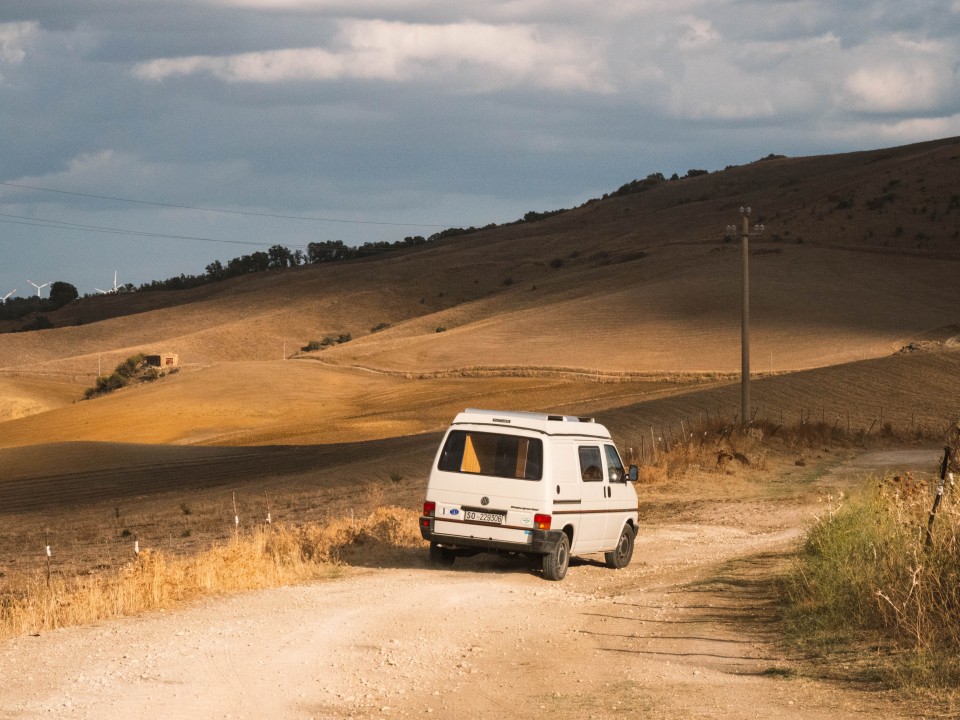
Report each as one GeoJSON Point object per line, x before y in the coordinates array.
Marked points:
{"type": "Point", "coordinates": [626, 308]}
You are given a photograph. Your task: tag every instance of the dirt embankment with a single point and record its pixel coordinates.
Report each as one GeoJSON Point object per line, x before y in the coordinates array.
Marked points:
{"type": "Point", "coordinates": [687, 630]}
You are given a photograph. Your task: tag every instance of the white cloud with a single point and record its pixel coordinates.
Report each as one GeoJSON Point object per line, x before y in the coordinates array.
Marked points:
{"type": "Point", "coordinates": [486, 56]}
{"type": "Point", "coordinates": [892, 88]}
{"type": "Point", "coordinates": [13, 40]}
{"type": "Point", "coordinates": [899, 75]}
{"type": "Point", "coordinates": [697, 32]}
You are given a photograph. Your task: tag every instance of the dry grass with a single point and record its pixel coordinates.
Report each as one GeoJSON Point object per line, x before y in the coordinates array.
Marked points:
{"type": "Point", "coordinates": [725, 448]}
{"type": "Point", "coordinates": [270, 556]}
{"type": "Point", "coordinates": [867, 573]}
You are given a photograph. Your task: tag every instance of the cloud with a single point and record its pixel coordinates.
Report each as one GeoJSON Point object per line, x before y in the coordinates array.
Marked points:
{"type": "Point", "coordinates": [899, 75]}
{"type": "Point", "coordinates": [697, 32]}
{"type": "Point", "coordinates": [13, 40]}
{"type": "Point", "coordinates": [486, 57]}
{"type": "Point", "coordinates": [456, 112]}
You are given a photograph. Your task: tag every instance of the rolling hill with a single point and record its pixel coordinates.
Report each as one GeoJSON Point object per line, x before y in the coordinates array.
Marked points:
{"type": "Point", "coordinates": [624, 299]}
{"type": "Point", "coordinates": [626, 308]}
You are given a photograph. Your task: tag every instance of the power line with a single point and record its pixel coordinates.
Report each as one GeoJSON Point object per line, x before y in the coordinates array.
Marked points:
{"type": "Point", "coordinates": [223, 211]}
{"type": "Point", "coordinates": [60, 225]}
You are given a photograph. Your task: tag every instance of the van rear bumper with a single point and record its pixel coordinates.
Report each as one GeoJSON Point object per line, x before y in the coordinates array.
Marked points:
{"type": "Point", "coordinates": [541, 541]}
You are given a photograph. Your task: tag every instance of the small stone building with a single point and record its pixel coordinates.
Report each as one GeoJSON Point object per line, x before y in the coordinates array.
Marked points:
{"type": "Point", "coordinates": [163, 360]}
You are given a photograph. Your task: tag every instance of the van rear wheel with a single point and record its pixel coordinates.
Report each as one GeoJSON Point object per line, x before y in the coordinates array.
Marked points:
{"type": "Point", "coordinates": [556, 562]}
{"type": "Point", "coordinates": [441, 556]}
{"type": "Point", "coordinates": [621, 555]}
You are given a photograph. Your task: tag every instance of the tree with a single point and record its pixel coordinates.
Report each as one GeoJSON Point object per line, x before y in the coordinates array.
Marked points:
{"type": "Point", "coordinates": [279, 257]}
{"type": "Point", "coordinates": [62, 293]}
{"type": "Point", "coordinates": [214, 270]}
{"type": "Point", "coordinates": [327, 251]}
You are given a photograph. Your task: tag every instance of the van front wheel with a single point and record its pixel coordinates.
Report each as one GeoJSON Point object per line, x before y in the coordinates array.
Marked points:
{"type": "Point", "coordinates": [556, 562]}
{"type": "Point", "coordinates": [621, 555]}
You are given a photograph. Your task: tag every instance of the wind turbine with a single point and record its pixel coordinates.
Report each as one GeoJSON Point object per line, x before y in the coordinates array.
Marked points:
{"type": "Point", "coordinates": [38, 287]}
{"type": "Point", "coordinates": [8, 295]}
{"type": "Point", "coordinates": [107, 292]}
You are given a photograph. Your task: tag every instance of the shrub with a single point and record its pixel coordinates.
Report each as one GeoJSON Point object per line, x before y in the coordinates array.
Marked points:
{"type": "Point", "coordinates": [866, 569]}
{"type": "Point", "coordinates": [132, 369]}
{"type": "Point", "coordinates": [381, 326]}
{"type": "Point", "coordinates": [556, 263]}
{"type": "Point", "coordinates": [129, 367]}
{"type": "Point", "coordinates": [312, 346]}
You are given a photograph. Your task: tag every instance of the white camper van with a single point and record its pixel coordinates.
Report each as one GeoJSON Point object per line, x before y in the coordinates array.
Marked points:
{"type": "Point", "coordinates": [544, 486]}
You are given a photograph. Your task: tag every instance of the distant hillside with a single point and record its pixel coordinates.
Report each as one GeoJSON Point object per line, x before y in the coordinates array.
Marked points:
{"type": "Point", "coordinates": [859, 258]}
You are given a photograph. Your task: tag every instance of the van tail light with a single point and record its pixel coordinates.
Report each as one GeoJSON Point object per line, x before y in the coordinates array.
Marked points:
{"type": "Point", "coordinates": [542, 522]}
{"type": "Point", "coordinates": [429, 508]}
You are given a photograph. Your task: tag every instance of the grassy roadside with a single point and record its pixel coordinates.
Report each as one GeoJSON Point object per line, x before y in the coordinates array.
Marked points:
{"type": "Point", "coordinates": [865, 598]}
{"type": "Point", "coordinates": [866, 579]}
{"type": "Point", "coordinates": [271, 556]}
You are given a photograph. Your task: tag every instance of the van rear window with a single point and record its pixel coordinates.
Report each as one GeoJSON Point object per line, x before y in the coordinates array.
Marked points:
{"type": "Point", "coordinates": [495, 454]}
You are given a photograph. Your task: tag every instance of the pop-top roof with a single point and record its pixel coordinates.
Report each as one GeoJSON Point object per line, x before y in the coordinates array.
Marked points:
{"type": "Point", "coordinates": [540, 422]}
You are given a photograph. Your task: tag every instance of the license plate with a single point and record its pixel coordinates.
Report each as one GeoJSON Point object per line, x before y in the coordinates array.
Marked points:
{"type": "Point", "coordinates": [486, 517]}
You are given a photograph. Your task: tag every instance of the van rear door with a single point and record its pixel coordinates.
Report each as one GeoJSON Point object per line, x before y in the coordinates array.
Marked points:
{"type": "Point", "coordinates": [488, 484]}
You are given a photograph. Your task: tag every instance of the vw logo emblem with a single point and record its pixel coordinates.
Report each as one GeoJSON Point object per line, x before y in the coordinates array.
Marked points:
{"type": "Point", "coordinates": [484, 500]}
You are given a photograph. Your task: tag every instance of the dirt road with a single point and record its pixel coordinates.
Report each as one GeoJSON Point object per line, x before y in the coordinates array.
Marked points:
{"type": "Point", "coordinates": [684, 632]}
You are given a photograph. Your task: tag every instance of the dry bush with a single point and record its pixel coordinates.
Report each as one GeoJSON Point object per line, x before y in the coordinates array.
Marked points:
{"type": "Point", "coordinates": [866, 567]}
{"type": "Point", "coordinates": [394, 527]}
{"type": "Point", "coordinates": [727, 450]}
{"type": "Point", "coordinates": [719, 446]}
{"type": "Point", "coordinates": [270, 556]}
{"type": "Point", "coordinates": [650, 474]}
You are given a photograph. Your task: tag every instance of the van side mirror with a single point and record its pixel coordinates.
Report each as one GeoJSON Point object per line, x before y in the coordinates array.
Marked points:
{"type": "Point", "coordinates": [634, 473]}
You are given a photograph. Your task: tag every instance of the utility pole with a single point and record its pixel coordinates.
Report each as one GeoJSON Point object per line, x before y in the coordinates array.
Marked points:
{"type": "Point", "coordinates": [745, 322]}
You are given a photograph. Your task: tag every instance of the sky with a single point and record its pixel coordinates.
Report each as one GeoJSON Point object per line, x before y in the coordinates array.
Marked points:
{"type": "Point", "coordinates": [150, 138]}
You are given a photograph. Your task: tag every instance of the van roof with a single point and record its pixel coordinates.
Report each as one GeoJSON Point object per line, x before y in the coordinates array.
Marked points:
{"type": "Point", "coordinates": [539, 422]}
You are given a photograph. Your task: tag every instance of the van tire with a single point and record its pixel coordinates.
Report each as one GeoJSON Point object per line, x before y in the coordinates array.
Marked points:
{"type": "Point", "coordinates": [621, 555]}
{"type": "Point", "coordinates": [556, 562]}
{"type": "Point", "coordinates": [441, 556]}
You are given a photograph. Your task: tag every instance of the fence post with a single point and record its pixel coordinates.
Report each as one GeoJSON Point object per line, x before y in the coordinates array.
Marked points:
{"type": "Point", "coordinates": [236, 517]}
{"type": "Point", "coordinates": [936, 500]}
{"type": "Point", "coordinates": [46, 542]}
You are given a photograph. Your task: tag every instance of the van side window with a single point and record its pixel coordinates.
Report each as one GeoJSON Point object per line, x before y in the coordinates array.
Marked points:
{"type": "Point", "coordinates": [590, 466]}
{"type": "Point", "coordinates": [614, 465]}
{"type": "Point", "coordinates": [494, 454]}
